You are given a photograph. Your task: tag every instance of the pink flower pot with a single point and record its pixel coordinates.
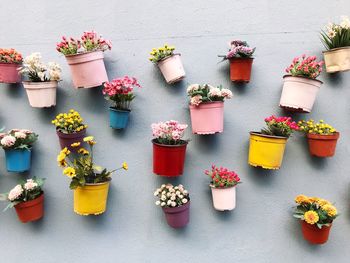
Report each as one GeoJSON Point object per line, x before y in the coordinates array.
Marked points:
{"type": "Point", "coordinates": [224, 198]}
{"type": "Point", "coordinates": [41, 94]}
{"type": "Point", "coordinates": [9, 73]}
{"type": "Point", "coordinates": [172, 68]}
{"type": "Point", "coordinates": [207, 118]}
{"type": "Point", "coordinates": [88, 69]}
{"type": "Point", "coordinates": [299, 93]}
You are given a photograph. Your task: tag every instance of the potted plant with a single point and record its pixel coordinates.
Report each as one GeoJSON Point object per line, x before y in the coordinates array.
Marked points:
{"type": "Point", "coordinates": [266, 147]}
{"type": "Point", "coordinates": [241, 58]}
{"type": "Point", "coordinates": [28, 200]}
{"type": "Point", "coordinates": [300, 87]}
{"type": "Point", "coordinates": [120, 92]}
{"type": "Point", "coordinates": [169, 150]}
{"type": "Point", "coordinates": [43, 80]}
{"type": "Point", "coordinates": [10, 60]}
{"type": "Point", "coordinates": [175, 202]}
{"type": "Point", "coordinates": [322, 137]}
{"type": "Point", "coordinates": [336, 40]}
{"type": "Point", "coordinates": [90, 182]}
{"type": "Point", "coordinates": [85, 58]}
{"type": "Point", "coordinates": [69, 128]}
{"type": "Point", "coordinates": [17, 145]}
{"type": "Point", "coordinates": [316, 217]}
{"type": "Point", "coordinates": [207, 108]}
{"type": "Point", "coordinates": [169, 63]}
{"type": "Point", "coordinates": [223, 187]}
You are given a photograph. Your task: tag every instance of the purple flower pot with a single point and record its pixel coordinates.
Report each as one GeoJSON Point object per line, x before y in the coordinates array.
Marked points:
{"type": "Point", "coordinates": [177, 217]}
{"type": "Point", "coordinates": [67, 139]}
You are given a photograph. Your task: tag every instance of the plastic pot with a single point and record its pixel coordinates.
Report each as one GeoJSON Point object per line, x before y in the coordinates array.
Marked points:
{"type": "Point", "coordinates": [177, 217]}
{"type": "Point", "coordinates": [168, 160]}
{"type": "Point", "coordinates": [31, 210]}
{"type": "Point", "coordinates": [224, 198]}
{"type": "Point", "coordinates": [41, 94]}
{"type": "Point", "coordinates": [240, 69]}
{"type": "Point", "coordinates": [91, 199]}
{"type": "Point", "coordinates": [172, 68]}
{"type": "Point", "coordinates": [18, 160]}
{"type": "Point", "coordinates": [337, 59]}
{"type": "Point", "coordinates": [322, 145]}
{"type": "Point", "coordinates": [9, 73]}
{"type": "Point", "coordinates": [266, 151]}
{"type": "Point", "coordinates": [299, 93]}
{"type": "Point", "coordinates": [313, 234]}
{"type": "Point", "coordinates": [207, 118]}
{"type": "Point", "coordinates": [118, 119]}
{"type": "Point", "coordinates": [66, 139]}
{"type": "Point", "coordinates": [87, 69]}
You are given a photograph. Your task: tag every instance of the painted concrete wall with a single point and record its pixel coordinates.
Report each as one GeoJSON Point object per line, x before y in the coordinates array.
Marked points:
{"type": "Point", "coordinates": [261, 228]}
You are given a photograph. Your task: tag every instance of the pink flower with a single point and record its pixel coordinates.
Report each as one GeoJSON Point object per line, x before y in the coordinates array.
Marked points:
{"type": "Point", "coordinates": [196, 100]}
{"type": "Point", "coordinates": [30, 185]}
{"type": "Point", "coordinates": [15, 192]}
{"type": "Point", "coordinates": [20, 135]}
{"type": "Point", "coordinates": [8, 141]}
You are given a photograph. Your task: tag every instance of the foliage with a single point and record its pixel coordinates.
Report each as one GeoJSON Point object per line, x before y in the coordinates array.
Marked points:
{"type": "Point", "coordinates": [10, 56]}
{"type": "Point", "coordinates": [315, 210]}
{"type": "Point", "coordinates": [238, 49]}
{"type": "Point", "coordinates": [337, 35]}
{"type": "Point", "coordinates": [171, 196]}
{"type": "Point", "coordinates": [222, 177]}
{"type": "Point", "coordinates": [70, 122]}
{"type": "Point", "coordinates": [160, 53]}
{"type": "Point", "coordinates": [279, 126]}
{"type": "Point", "coordinates": [316, 128]}
{"type": "Point", "coordinates": [18, 139]}
{"type": "Point", "coordinates": [207, 93]}
{"type": "Point", "coordinates": [305, 67]}
{"type": "Point", "coordinates": [169, 132]}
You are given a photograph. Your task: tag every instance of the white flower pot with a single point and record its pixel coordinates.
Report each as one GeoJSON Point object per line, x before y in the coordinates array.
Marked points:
{"type": "Point", "coordinates": [41, 94]}
{"type": "Point", "coordinates": [224, 198]}
{"type": "Point", "coordinates": [172, 68]}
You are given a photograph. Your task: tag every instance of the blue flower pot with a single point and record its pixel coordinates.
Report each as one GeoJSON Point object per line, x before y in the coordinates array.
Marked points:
{"type": "Point", "coordinates": [18, 160]}
{"type": "Point", "coordinates": [118, 118]}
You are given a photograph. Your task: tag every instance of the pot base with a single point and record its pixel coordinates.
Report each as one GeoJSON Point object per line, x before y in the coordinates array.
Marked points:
{"type": "Point", "coordinates": [293, 108]}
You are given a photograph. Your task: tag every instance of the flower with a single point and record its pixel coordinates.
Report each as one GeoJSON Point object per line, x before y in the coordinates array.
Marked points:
{"type": "Point", "coordinates": [30, 185]}
{"type": "Point", "coordinates": [8, 141]}
{"type": "Point", "coordinates": [169, 132]}
{"type": "Point", "coordinates": [196, 100]}
{"type": "Point", "coordinates": [20, 135]}
{"type": "Point", "coordinates": [311, 217]}
{"type": "Point", "coordinates": [15, 192]}
{"type": "Point", "coordinates": [330, 209]}
{"type": "Point", "coordinates": [125, 166]}
{"type": "Point", "coordinates": [88, 138]}
{"type": "Point", "coordinates": [301, 199]}
{"type": "Point", "coordinates": [70, 172]}
{"type": "Point", "coordinates": [83, 151]}
{"type": "Point", "coordinates": [76, 144]}
{"type": "Point", "coordinates": [206, 93]}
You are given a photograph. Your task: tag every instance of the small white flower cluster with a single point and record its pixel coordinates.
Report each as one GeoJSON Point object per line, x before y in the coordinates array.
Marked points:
{"type": "Point", "coordinates": [9, 139]}
{"type": "Point", "coordinates": [18, 190]}
{"type": "Point", "coordinates": [30, 185]}
{"type": "Point", "coordinates": [207, 93]}
{"type": "Point", "coordinates": [333, 29]}
{"type": "Point", "coordinates": [171, 196]}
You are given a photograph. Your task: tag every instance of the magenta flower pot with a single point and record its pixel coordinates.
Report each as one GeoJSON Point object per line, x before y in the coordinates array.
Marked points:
{"type": "Point", "coordinates": [9, 73]}
{"type": "Point", "coordinates": [172, 68]}
{"type": "Point", "coordinates": [207, 118]}
{"type": "Point", "coordinates": [177, 217]}
{"type": "Point", "coordinates": [41, 94]}
{"type": "Point", "coordinates": [66, 139]}
{"type": "Point", "coordinates": [88, 69]}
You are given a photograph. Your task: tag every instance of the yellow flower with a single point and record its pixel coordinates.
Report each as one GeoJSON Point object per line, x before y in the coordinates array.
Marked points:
{"type": "Point", "coordinates": [125, 166]}
{"type": "Point", "coordinates": [83, 151]}
{"type": "Point", "coordinates": [88, 138]}
{"type": "Point", "coordinates": [330, 209]}
{"type": "Point", "coordinates": [76, 144]}
{"type": "Point", "coordinates": [70, 172]}
{"type": "Point", "coordinates": [61, 157]}
{"type": "Point", "coordinates": [65, 151]}
{"type": "Point", "coordinates": [323, 202]}
{"type": "Point", "coordinates": [301, 199]}
{"type": "Point", "coordinates": [311, 217]}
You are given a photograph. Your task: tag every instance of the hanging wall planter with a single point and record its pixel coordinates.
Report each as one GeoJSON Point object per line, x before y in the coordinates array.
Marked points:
{"type": "Point", "coordinates": [337, 59]}
{"type": "Point", "coordinates": [118, 119]}
{"type": "Point", "coordinates": [207, 108]}
{"type": "Point", "coordinates": [18, 160]}
{"type": "Point", "coordinates": [67, 139]}
{"type": "Point", "coordinates": [85, 59]}
{"type": "Point", "coordinates": [41, 94]}
{"type": "Point", "coordinates": [10, 61]}
{"type": "Point", "coordinates": [31, 210]}
{"type": "Point", "coordinates": [170, 64]}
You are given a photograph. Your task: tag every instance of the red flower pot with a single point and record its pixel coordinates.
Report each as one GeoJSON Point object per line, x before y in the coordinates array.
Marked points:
{"type": "Point", "coordinates": [31, 210]}
{"type": "Point", "coordinates": [313, 234]}
{"type": "Point", "coordinates": [177, 217]}
{"type": "Point", "coordinates": [240, 69]}
{"type": "Point", "coordinates": [66, 139]}
{"type": "Point", "coordinates": [168, 160]}
{"type": "Point", "coordinates": [322, 145]}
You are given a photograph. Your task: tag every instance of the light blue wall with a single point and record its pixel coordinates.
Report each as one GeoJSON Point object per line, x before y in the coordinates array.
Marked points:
{"type": "Point", "coordinates": [261, 228]}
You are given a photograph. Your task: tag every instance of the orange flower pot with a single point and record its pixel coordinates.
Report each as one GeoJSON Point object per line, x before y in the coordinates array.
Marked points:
{"type": "Point", "coordinates": [31, 210]}
{"type": "Point", "coordinates": [240, 69]}
{"type": "Point", "coordinates": [315, 235]}
{"type": "Point", "coordinates": [322, 145]}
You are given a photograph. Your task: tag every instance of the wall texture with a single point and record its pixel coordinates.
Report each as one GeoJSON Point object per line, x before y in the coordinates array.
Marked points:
{"type": "Point", "coordinates": [261, 228]}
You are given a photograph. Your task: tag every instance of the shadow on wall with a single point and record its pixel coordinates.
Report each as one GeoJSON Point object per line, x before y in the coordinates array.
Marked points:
{"type": "Point", "coordinates": [14, 90]}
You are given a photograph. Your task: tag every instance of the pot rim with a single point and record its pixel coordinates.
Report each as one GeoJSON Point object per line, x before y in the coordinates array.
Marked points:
{"type": "Point", "coordinates": [166, 145]}
{"type": "Point", "coordinates": [302, 77]}
{"type": "Point", "coordinates": [75, 133]}
{"type": "Point", "coordinates": [97, 184]}
{"type": "Point", "coordinates": [4, 63]}
{"type": "Point", "coordinates": [165, 58]}
{"type": "Point", "coordinates": [79, 54]}
{"type": "Point", "coordinates": [315, 227]}
{"type": "Point", "coordinates": [267, 136]}
{"type": "Point", "coordinates": [240, 58]}
{"type": "Point", "coordinates": [323, 136]}
{"type": "Point", "coordinates": [177, 209]}
{"type": "Point", "coordinates": [38, 82]}
{"type": "Point", "coordinates": [335, 49]}
{"type": "Point", "coordinates": [115, 109]}
{"type": "Point", "coordinates": [207, 102]}
{"type": "Point", "coordinates": [31, 203]}
{"type": "Point", "coordinates": [221, 188]}
{"type": "Point", "coordinates": [20, 149]}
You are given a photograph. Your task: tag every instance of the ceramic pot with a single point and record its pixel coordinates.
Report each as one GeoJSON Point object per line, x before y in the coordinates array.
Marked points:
{"type": "Point", "coordinates": [66, 139]}
{"type": "Point", "coordinates": [31, 210]}
{"type": "Point", "coordinates": [240, 69]}
{"type": "Point", "coordinates": [118, 119]}
{"type": "Point", "coordinates": [9, 73]}
{"type": "Point", "coordinates": [313, 234]}
{"type": "Point", "coordinates": [224, 198]}
{"type": "Point", "coordinates": [177, 217]}
{"type": "Point", "coordinates": [322, 145]}
{"type": "Point", "coordinates": [18, 160]}
{"type": "Point", "coordinates": [337, 59]}
{"type": "Point", "coordinates": [172, 68]}
{"type": "Point", "coordinates": [41, 94]}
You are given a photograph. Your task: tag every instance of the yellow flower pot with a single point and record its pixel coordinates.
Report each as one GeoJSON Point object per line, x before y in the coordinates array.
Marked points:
{"type": "Point", "coordinates": [91, 199]}
{"type": "Point", "coordinates": [266, 151]}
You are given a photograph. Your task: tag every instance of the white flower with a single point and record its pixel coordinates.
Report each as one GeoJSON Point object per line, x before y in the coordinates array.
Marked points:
{"type": "Point", "coordinates": [8, 141]}
{"type": "Point", "coordinates": [345, 23]}
{"type": "Point", "coordinates": [184, 201]}
{"type": "Point", "coordinates": [173, 197]}
{"type": "Point", "coordinates": [163, 198]}
{"type": "Point", "coordinates": [185, 192]}
{"type": "Point", "coordinates": [169, 202]}
{"type": "Point", "coordinates": [178, 192]}
{"type": "Point", "coordinates": [162, 186]}
{"type": "Point", "coordinates": [168, 194]}
{"type": "Point", "coordinates": [164, 192]}
{"type": "Point", "coordinates": [41, 75]}
{"type": "Point", "coordinates": [331, 34]}
{"type": "Point", "coordinates": [163, 204]}
{"type": "Point", "coordinates": [173, 204]}
{"type": "Point", "coordinates": [157, 202]}
{"type": "Point", "coordinates": [192, 88]}
{"type": "Point", "coordinates": [20, 135]}
{"type": "Point", "coordinates": [30, 185]}
{"type": "Point", "coordinates": [15, 192]}
{"type": "Point", "coordinates": [196, 100]}
{"type": "Point", "coordinates": [156, 193]}
{"type": "Point", "coordinates": [54, 71]}
{"type": "Point", "coordinates": [181, 196]}
{"type": "Point", "coordinates": [226, 93]}
{"type": "Point", "coordinates": [26, 131]}
{"type": "Point", "coordinates": [214, 92]}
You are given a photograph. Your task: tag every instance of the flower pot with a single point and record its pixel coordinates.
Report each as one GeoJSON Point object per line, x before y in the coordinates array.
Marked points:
{"type": "Point", "coordinates": [207, 118]}
{"type": "Point", "coordinates": [224, 198]}
{"type": "Point", "coordinates": [337, 59]}
{"type": "Point", "coordinates": [18, 160]}
{"type": "Point", "coordinates": [240, 69]}
{"type": "Point", "coordinates": [172, 68]}
{"type": "Point", "coordinates": [322, 145]}
{"type": "Point", "coordinates": [41, 94]}
{"type": "Point", "coordinates": [168, 160]}
{"type": "Point", "coordinates": [31, 210]}
{"type": "Point", "coordinates": [313, 234]}
{"type": "Point", "coordinates": [91, 199]}
{"type": "Point", "coordinates": [66, 139]}
{"type": "Point", "coordinates": [177, 217]}
{"type": "Point", "coordinates": [118, 119]}
{"type": "Point", "coordinates": [9, 73]}
{"type": "Point", "coordinates": [299, 93]}
{"type": "Point", "coordinates": [88, 69]}
{"type": "Point", "coordinates": [266, 151]}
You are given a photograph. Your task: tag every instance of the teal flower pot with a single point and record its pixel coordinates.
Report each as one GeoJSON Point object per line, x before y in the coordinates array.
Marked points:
{"type": "Point", "coordinates": [118, 118]}
{"type": "Point", "coordinates": [18, 160]}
